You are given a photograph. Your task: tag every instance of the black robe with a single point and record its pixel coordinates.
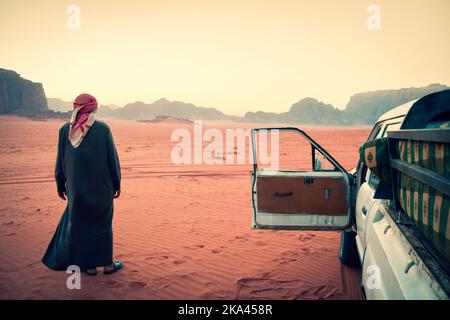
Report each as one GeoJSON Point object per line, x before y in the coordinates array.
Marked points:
{"type": "Point", "coordinates": [90, 175]}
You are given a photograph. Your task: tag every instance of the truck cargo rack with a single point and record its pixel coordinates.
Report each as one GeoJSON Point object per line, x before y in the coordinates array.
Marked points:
{"type": "Point", "coordinates": [434, 260]}
{"type": "Point", "coordinates": [426, 176]}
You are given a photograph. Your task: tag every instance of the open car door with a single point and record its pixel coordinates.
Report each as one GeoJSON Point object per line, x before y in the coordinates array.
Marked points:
{"type": "Point", "coordinates": [315, 198]}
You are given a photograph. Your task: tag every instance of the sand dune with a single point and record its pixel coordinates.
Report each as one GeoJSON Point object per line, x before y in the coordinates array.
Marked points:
{"type": "Point", "coordinates": [183, 231]}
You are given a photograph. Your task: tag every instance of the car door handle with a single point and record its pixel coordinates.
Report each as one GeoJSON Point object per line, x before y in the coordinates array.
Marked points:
{"type": "Point", "coordinates": [283, 194]}
{"type": "Point", "coordinates": [364, 210]}
{"type": "Point", "coordinates": [409, 265]}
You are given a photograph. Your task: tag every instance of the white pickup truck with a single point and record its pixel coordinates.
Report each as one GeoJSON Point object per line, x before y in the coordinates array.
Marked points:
{"type": "Point", "coordinates": [397, 260]}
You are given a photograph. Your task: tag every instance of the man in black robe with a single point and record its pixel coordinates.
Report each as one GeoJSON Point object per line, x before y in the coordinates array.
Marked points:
{"type": "Point", "coordinates": [87, 171]}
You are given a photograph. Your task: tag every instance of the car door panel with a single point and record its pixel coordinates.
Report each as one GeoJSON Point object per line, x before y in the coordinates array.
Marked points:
{"type": "Point", "coordinates": [302, 200]}
{"type": "Point", "coordinates": [302, 194]}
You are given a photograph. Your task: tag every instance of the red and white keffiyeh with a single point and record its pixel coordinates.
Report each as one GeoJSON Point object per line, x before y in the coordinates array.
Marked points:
{"type": "Point", "coordinates": [83, 116]}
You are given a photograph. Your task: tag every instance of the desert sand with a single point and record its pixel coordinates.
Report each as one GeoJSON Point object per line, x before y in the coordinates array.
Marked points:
{"type": "Point", "coordinates": [183, 231]}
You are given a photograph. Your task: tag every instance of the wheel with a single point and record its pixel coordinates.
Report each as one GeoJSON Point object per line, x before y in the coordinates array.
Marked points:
{"type": "Point", "coordinates": [348, 253]}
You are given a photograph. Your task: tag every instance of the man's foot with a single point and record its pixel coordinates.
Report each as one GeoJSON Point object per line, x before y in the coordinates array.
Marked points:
{"type": "Point", "coordinates": [115, 266]}
{"type": "Point", "coordinates": [91, 272]}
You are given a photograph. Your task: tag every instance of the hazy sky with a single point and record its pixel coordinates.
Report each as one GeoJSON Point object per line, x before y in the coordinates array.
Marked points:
{"type": "Point", "coordinates": [233, 55]}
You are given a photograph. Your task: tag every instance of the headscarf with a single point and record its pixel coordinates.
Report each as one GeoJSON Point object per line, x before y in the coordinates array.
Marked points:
{"type": "Point", "coordinates": [84, 108]}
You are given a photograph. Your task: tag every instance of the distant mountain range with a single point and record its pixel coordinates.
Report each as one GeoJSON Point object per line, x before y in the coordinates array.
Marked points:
{"type": "Point", "coordinates": [143, 111]}
{"type": "Point", "coordinates": [24, 97]}
{"type": "Point", "coordinates": [305, 111]}
{"type": "Point", "coordinates": [362, 108]}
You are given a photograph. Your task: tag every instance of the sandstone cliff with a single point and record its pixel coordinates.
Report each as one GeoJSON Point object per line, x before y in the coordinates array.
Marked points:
{"type": "Point", "coordinates": [19, 95]}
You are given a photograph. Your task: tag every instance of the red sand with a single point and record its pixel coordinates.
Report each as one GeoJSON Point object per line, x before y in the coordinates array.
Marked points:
{"type": "Point", "coordinates": [182, 231]}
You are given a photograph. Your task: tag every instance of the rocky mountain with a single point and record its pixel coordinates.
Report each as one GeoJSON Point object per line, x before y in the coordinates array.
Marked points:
{"type": "Point", "coordinates": [367, 107]}
{"type": "Point", "coordinates": [56, 104]}
{"type": "Point", "coordinates": [20, 96]}
{"type": "Point", "coordinates": [146, 111]}
{"type": "Point", "coordinates": [305, 111]}
{"type": "Point", "coordinates": [311, 111]}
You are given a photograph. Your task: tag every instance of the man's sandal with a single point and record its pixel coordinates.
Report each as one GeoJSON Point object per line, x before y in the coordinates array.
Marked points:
{"type": "Point", "coordinates": [91, 273]}
{"type": "Point", "coordinates": [116, 267]}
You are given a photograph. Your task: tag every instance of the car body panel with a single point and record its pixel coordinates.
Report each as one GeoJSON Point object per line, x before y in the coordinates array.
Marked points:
{"type": "Point", "coordinates": [400, 277]}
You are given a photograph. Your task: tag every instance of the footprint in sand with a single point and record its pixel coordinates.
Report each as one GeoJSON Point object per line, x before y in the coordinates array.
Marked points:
{"type": "Point", "coordinates": [307, 251]}
{"type": "Point", "coordinates": [286, 257]}
{"type": "Point", "coordinates": [265, 287]}
{"type": "Point", "coordinates": [136, 285]}
{"type": "Point", "coordinates": [273, 274]}
{"type": "Point", "coordinates": [112, 284]}
{"type": "Point", "coordinates": [157, 258]}
{"type": "Point", "coordinates": [212, 285]}
{"type": "Point", "coordinates": [214, 295]}
{"type": "Point", "coordinates": [319, 292]}
{"type": "Point", "coordinates": [214, 291]}
{"type": "Point", "coordinates": [290, 253]}
{"type": "Point", "coordinates": [196, 246]}
{"type": "Point", "coordinates": [260, 243]}
{"type": "Point", "coordinates": [40, 277]}
{"type": "Point", "coordinates": [243, 237]}
{"type": "Point", "coordinates": [282, 261]}
{"type": "Point", "coordinates": [159, 283]}
{"type": "Point", "coordinates": [306, 237]}
{"type": "Point", "coordinates": [37, 292]}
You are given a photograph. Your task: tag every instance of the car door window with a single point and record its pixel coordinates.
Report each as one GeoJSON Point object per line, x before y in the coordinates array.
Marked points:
{"type": "Point", "coordinates": [372, 179]}
{"type": "Point", "coordinates": [375, 132]}
{"type": "Point", "coordinates": [364, 174]}
{"type": "Point", "coordinates": [391, 126]}
{"type": "Point", "coordinates": [321, 163]}
{"type": "Point", "coordinates": [283, 150]}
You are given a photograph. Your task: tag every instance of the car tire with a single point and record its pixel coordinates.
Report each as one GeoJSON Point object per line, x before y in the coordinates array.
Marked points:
{"type": "Point", "coordinates": [348, 253]}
